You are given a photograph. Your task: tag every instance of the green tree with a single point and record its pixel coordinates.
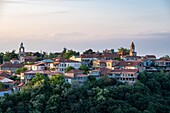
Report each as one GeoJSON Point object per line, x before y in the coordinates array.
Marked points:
{"type": "Point", "coordinates": [89, 51]}
{"type": "Point", "coordinates": [123, 49]}
{"type": "Point", "coordinates": [14, 78]}
{"type": "Point", "coordinates": [64, 50]}
{"type": "Point", "coordinates": [57, 79]}
{"type": "Point", "coordinates": [84, 68]}
{"type": "Point", "coordinates": [21, 70]}
{"type": "Point", "coordinates": [166, 56]}
{"type": "Point", "coordinates": [1, 57]}
{"type": "Point", "coordinates": [52, 55]}
{"type": "Point", "coordinates": [2, 87]}
{"type": "Point", "coordinates": [69, 68]}
{"type": "Point", "coordinates": [150, 94]}
{"type": "Point", "coordinates": [70, 53]}
{"type": "Point", "coordinates": [10, 55]}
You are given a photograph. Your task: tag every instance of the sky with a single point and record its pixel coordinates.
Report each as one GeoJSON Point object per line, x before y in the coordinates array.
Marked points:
{"type": "Point", "coordinates": [51, 25]}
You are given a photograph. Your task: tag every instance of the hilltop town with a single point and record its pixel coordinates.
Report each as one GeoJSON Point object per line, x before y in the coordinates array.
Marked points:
{"type": "Point", "coordinates": [124, 65]}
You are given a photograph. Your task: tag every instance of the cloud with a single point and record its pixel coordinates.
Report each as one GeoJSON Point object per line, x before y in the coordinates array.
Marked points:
{"type": "Point", "coordinates": [31, 1]}
{"type": "Point", "coordinates": [9, 1]}
{"type": "Point", "coordinates": [44, 14]}
{"type": "Point", "coordinates": [155, 34]}
{"type": "Point", "coordinates": [162, 33]}
{"type": "Point", "coordinates": [74, 36]}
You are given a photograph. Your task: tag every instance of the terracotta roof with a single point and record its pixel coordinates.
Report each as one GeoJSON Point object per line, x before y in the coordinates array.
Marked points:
{"type": "Point", "coordinates": [138, 57]}
{"type": "Point", "coordinates": [42, 72]}
{"type": "Point", "coordinates": [39, 64]}
{"type": "Point", "coordinates": [6, 80]}
{"type": "Point", "coordinates": [103, 71]}
{"type": "Point", "coordinates": [65, 60]}
{"type": "Point", "coordinates": [110, 55]}
{"type": "Point", "coordinates": [125, 71]}
{"type": "Point", "coordinates": [4, 73]}
{"type": "Point", "coordinates": [100, 61]}
{"type": "Point", "coordinates": [75, 71]}
{"type": "Point", "coordinates": [113, 61]}
{"type": "Point", "coordinates": [14, 59]}
{"type": "Point", "coordinates": [90, 56]}
{"type": "Point", "coordinates": [107, 61]}
{"type": "Point", "coordinates": [30, 58]}
{"type": "Point", "coordinates": [5, 90]}
{"type": "Point", "coordinates": [21, 84]}
{"type": "Point", "coordinates": [150, 56]}
{"type": "Point", "coordinates": [163, 60]}
{"type": "Point", "coordinates": [10, 65]}
{"type": "Point", "coordinates": [128, 63]}
{"type": "Point", "coordinates": [81, 75]}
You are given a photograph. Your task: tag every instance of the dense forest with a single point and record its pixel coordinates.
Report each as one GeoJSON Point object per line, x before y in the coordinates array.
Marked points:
{"type": "Point", "coordinates": [150, 94]}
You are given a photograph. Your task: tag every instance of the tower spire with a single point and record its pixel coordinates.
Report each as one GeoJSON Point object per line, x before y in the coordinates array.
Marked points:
{"type": "Point", "coordinates": [132, 49]}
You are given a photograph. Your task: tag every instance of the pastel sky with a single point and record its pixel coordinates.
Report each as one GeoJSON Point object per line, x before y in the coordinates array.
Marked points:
{"type": "Point", "coordinates": [51, 25]}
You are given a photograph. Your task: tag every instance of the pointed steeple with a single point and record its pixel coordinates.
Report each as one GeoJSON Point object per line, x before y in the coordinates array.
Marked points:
{"type": "Point", "coordinates": [132, 46]}
{"type": "Point", "coordinates": [21, 49]}
{"type": "Point", "coordinates": [132, 50]}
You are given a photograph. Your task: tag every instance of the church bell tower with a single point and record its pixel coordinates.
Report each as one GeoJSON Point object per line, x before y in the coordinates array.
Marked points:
{"type": "Point", "coordinates": [132, 50]}
{"type": "Point", "coordinates": [21, 52]}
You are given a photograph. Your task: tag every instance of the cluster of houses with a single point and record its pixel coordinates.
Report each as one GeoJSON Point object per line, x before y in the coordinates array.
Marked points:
{"type": "Point", "coordinates": [124, 66]}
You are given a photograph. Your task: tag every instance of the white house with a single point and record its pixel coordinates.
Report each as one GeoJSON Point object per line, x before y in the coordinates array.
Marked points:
{"type": "Point", "coordinates": [61, 64]}
{"type": "Point", "coordinates": [131, 58]}
{"type": "Point", "coordinates": [130, 65]}
{"type": "Point", "coordinates": [125, 75]}
{"type": "Point", "coordinates": [8, 91]}
{"type": "Point", "coordinates": [75, 76]}
{"type": "Point", "coordinates": [7, 81]}
{"type": "Point", "coordinates": [27, 76]}
{"type": "Point", "coordinates": [36, 66]}
{"type": "Point", "coordinates": [10, 66]}
{"type": "Point", "coordinates": [86, 59]}
{"type": "Point", "coordinates": [15, 61]}
{"type": "Point", "coordinates": [39, 66]}
{"type": "Point", "coordinates": [99, 72]}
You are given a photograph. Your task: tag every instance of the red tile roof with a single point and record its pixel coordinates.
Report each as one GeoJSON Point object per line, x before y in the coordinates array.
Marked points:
{"type": "Point", "coordinates": [40, 64]}
{"type": "Point", "coordinates": [103, 71]}
{"type": "Point", "coordinates": [4, 79]}
{"type": "Point", "coordinates": [150, 56]}
{"type": "Point", "coordinates": [21, 84]}
{"type": "Point", "coordinates": [128, 63]}
{"type": "Point", "coordinates": [14, 59]}
{"type": "Point", "coordinates": [30, 58]}
{"type": "Point", "coordinates": [110, 55]}
{"type": "Point", "coordinates": [125, 71]}
{"type": "Point", "coordinates": [163, 60]}
{"type": "Point", "coordinates": [10, 65]}
{"type": "Point", "coordinates": [5, 90]}
{"type": "Point", "coordinates": [64, 60]}
{"type": "Point", "coordinates": [75, 71]}
{"type": "Point", "coordinates": [90, 56]}
{"type": "Point", "coordinates": [81, 75]}
{"type": "Point", "coordinates": [4, 73]}
{"type": "Point", "coordinates": [42, 72]}
{"type": "Point", "coordinates": [137, 57]}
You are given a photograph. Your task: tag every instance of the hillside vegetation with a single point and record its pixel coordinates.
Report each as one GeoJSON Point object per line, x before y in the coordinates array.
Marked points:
{"type": "Point", "coordinates": [150, 94]}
